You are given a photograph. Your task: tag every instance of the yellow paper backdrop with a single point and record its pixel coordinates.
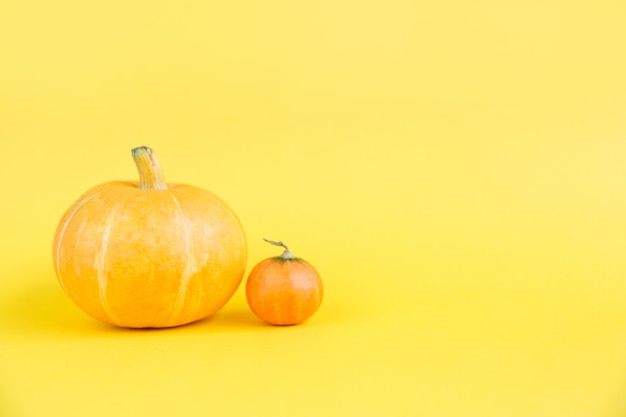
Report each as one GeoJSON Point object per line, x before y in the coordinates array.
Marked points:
{"type": "Point", "coordinates": [455, 171]}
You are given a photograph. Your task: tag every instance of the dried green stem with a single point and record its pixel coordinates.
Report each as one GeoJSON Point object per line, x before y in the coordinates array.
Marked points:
{"type": "Point", "coordinates": [286, 254]}
{"type": "Point", "coordinates": [150, 172]}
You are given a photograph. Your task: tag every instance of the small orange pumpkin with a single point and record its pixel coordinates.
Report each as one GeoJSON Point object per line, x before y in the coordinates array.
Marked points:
{"type": "Point", "coordinates": [149, 254]}
{"type": "Point", "coordinates": [284, 290]}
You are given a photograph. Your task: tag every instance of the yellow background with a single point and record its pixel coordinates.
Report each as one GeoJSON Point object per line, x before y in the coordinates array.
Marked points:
{"type": "Point", "coordinates": [455, 170]}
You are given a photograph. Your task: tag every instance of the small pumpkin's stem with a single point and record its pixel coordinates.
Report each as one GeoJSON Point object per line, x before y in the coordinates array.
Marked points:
{"type": "Point", "coordinates": [286, 254]}
{"type": "Point", "coordinates": [150, 172]}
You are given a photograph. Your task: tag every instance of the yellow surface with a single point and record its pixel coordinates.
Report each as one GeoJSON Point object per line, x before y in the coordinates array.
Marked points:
{"type": "Point", "coordinates": [455, 171]}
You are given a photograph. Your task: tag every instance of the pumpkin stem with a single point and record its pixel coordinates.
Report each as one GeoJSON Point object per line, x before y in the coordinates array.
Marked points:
{"type": "Point", "coordinates": [286, 254]}
{"type": "Point", "coordinates": [150, 173]}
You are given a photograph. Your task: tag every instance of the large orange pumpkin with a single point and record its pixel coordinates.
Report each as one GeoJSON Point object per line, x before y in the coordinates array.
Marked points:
{"type": "Point", "coordinates": [149, 254]}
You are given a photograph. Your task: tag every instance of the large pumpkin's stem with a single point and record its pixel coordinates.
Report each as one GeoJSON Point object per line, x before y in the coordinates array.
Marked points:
{"type": "Point", "coordinates": [150, 173]}
{"type": "Point", "coordinates": [286, 254]}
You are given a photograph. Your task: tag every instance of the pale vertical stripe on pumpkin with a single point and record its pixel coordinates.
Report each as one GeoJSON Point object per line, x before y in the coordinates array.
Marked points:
{"type": "Point", "coordinates": [62, 235]}
{"type": "Point", "coordinates": [100, 267]}
{"type": "Point", "coordinates": [190, 265]}
{"type": "Point", "coordinates": [318, 294]}
{"type": "Point", "coordinates": [318, 288]}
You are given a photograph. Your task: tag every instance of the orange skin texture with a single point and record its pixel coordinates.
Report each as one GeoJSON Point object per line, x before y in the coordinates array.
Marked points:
{"type": "Point", "coordinates": [149, 258]}
{"type": "Point", "coordinates": [284, 291]}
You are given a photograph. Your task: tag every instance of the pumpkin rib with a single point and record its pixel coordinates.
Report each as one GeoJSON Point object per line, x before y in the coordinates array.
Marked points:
{"type": "Point", "coordinates": [100, 264]}
{"type": "Point", "coordinates": [190, 266]}
{"type": "Point", "coordinates": [61, 235]}
{"type": "Point", "coordinates": [224, 208]}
